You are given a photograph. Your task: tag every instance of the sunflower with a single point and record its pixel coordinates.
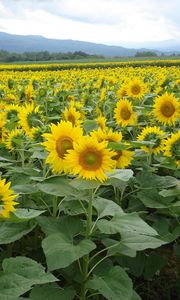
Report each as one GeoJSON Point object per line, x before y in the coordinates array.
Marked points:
{"type": "Point", "coordinates": [2, 129]}
{"type": "Point", "coordinates": [122, 92]}
{"type": "Point", "coordinates": [7, 198]}
{"type": "Point", "coordinates": [172, 147]}
{"type": "Point", "coordinates": [136, 88]}
{"type": "Point", "coordinates": [72, 115]}
{"type": "Point", "coordinates": [101, 121]}
{"type": "Point", "coordinates": [154, 135]}
{"type": "Point", "coordinates": [62, 138]}
{"type": "Point", "coordinates": [166, 109]}
{"type": "Point", "coordinates": [106, 135]}
{"type": "Point", "coordinates": [29, 119]}
{"type": "Point", "coordinates": [124, 113]}
{"type": "Point", "coordinates": [123, 158]}
{"type": "Point", "coordinates": [91, 159]}
{"type": "Point", "coordinates": [12, 137]}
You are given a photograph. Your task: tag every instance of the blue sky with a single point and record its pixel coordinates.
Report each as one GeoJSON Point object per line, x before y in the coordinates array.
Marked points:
{"type": "Point", "coordinates": [102, 21]}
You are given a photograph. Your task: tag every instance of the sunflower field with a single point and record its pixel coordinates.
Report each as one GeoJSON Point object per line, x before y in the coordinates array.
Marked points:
{"type": "Point", "coordinates": [89, 182]}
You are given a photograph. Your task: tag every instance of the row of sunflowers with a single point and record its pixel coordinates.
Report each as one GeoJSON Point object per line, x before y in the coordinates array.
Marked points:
{"type": "Point", "coordinates": [110, 134]}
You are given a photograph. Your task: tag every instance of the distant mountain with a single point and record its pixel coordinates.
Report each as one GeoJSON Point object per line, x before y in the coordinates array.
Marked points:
{"type": "Point", "coordinates": [165, 46]}
{"type": "Point", "coordinates": [28, 43]}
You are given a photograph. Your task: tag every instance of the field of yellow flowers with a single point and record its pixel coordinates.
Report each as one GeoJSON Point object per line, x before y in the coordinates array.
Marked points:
{"type": "Point", "coordinates": [89, 182]}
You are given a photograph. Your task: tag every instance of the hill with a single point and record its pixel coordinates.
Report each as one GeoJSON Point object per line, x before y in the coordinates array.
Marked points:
{"type": "Point", "coordinates": [23, 43]}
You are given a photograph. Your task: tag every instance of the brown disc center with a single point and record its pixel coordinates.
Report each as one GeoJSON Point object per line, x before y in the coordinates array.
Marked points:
{"type": "Point", "coordinates": [90, 159]}
{"type": "Point", "coordinates": [167, 109]}
{"type": "Point", "coordinates": [62, 145]}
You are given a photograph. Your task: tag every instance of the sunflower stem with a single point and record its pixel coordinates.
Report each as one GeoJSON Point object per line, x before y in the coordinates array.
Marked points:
{"type": "Point", "coordinates": [55, 207]}
{"type": "Point", "coordinates": [86, 258]}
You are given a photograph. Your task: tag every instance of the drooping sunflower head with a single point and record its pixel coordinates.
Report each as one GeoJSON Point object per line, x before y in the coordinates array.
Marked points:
{"type": "Point", "coordinates": [3, 130]}
{"type": "Point", "coordinates": [72, 115]}
{"type": "Point", "coordinates": [124, 113]}
{"type": "Point", "coordinates": [14, 138]}
{"type": "Point", "coordinates": [172, 147]}
{"type": "Point", "coordinates": [136, 88]}
{"type": "Point", "coordinates": [106, 135]}
{"type": "Point", "coordinates": [123, 158]}
{"type": "Point", "coordinates": [101, 121]}
{"type": "Point", "coordinates": [58, 142]}
{"type": "Point", "coordinates": [29, 118]}
{"type": "Point", "coordinates": [155, 136]}
{"type": "Point", "coordinates": [90, 159]}
{"type": "Point", "coordinates": [7, 197]}
{"type": "Point", "coordinates": [166, 109]}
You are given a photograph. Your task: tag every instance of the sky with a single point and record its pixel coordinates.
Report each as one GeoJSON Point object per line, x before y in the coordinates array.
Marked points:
{"type": "Point", "coordinates": [100, 21]}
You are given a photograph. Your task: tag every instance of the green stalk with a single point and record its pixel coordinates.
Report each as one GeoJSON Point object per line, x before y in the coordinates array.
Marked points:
{"type": "Point", "coordinates": [55, 207]}
{"type": "Point", "coordinates": [85, 266]}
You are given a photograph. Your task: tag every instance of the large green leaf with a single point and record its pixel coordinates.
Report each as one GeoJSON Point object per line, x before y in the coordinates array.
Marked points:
{"type": "Point", "coordinates": [19, 275]}
{"type": "Point", "coordinates": [82, 184]}
{"type": "Point", "coordinates": [114, 285]}
{"type": "Point", "coordinates": [151, 181]}
{"type": "Point", "coordinates": [125, 223]}
{"type": "Point", "coordinates": [27, 268]}
{"type": "Point", "coordinates": [68, 225]}
{"type": "Point", "coordinates": [140, 242]}
{"type": "Point", "coordinates": [25, 188]}
{"type": "Point", "coordinates": [10, 232]}
{"type": "Point", "coordinates": [57, 186]}
{"type": "Point", "coordinates": [25, 214]}
{"type": "Point", "coordinates": [119, 177]}
{"type": "Point", "coordinates": [52, 292]}
{"type": "Point", "coordinates": [60, 250]}
{"type": "Point", "coordinates": [106, 207]}
{"type": "Point", "coordinates": [154, 200]}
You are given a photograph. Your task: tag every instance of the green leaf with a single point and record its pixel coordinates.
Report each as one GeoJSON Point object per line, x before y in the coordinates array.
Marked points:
{"type": "Point", "coordinates": [52, 292]}
{"type": "Point", "coordinates": [90, 125]}
{"type": "Point", "coordinates": [12, 286]}
{"type": "Point", "coordinates": [170, 193]}
{"type": "Point", "coordinates": [128, 223]}
{"type": "Point", "coordinates": [154, 200]}
{"type": "Point", "coordinates": [61, 252]}
{"type": "Point", "coordinates": [82, 184]}
{"type": "Point", "coordinates": [68, 225]}
{"type": "Point", "coordinates": [25, 188]}
{"type": "Point", "coordinates": [10, 232]}
{"type": "Point", "coordinates": [106, 207]}
{"type": "Point", "coordinates": [140, 242]}
{"type": "Point", "coordinates": [57, 186]}
{"type": "Point", "coordinates": [151, 181]}
{"type": "Point", "coordinates": [27, 268]}
{"type": "Point", "coordinates": [117, 146]}
{"type": "Point", "coordinates": [154, 263]}
{"type": "Point", "coordinates": [24, 214]}
{"type": "Point", "coordinates": [19, 275]}
{"type": "Point", "coordinates": [115, 285]}
{"type": "Point", "coordinates": [121, 174]}
{"type": "Point", "coordinates": [118, 248]}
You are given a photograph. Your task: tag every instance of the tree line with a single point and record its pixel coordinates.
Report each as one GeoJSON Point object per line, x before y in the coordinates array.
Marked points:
{"type": "Point", "coordinates": [6, 56]}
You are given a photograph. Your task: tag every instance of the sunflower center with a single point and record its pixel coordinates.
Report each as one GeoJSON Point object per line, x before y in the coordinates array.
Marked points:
{"type": "Point", "coordinates": [71, 119]}
{"type": "Point", "coordinates": [62, 145]}
{"type": "Point", "coordinates": [135, 89]}
{"type": "Point", "coordinates": [167, 109]}
{"type": "Point", "coordinates": [90, 160]}
{"type": "Point", "coordinates": [125, 113]}
{"type": "Point", "coordinates": [118, 155]}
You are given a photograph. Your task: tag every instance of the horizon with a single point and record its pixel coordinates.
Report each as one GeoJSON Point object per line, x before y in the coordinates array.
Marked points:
{"type": "Point", "coordinates": [123, 44]}
{"type": "Point", "coordinates": [108, 22]}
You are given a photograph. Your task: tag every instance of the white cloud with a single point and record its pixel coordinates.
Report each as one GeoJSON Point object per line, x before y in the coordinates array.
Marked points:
{"type": "Point", "coordinates": [100, 21]}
